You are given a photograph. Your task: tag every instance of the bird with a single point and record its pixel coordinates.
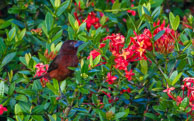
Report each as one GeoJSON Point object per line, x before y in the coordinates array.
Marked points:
{"type": "Point", "coordinates": [67, 57]}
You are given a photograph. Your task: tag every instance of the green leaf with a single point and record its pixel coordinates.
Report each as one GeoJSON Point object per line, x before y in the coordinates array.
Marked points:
{"type": "Point", "coordinates": [51, 87]}
{"type": "Point", "coordinates": [49, 21]}
{"type": "Point", "coordinates": [120, 115]}
{"type": "Point", "coordinates": [5, 24]}
{"type": "Point", "coordinates": [37, 118]}
{"type": "Point", "coordinates": [105, 100]}
{"type": "Point", "coordinates": [185, 102]}
{"type": "Point", "coordinates": [158, 35]}
{"type": "Point", "coordinates": [91, 61]}
{"type": "Point", "coordinates": [8, 58]}
{"type": "Point", "coordinates": [25, 107]}
{"type": "Point", "coordinates": [144, 66]}
{"type": "Point", "coordinates": [51, 118]}
{"type": "Point", "coordinates": [21, 98]}
{"type": "Point", "coordinates": [97, 60]}
{"type": "Point", "coordinates": [177, 78]}
{"type": "Point", "coordinates": [146, 11]}
{"type": "Point", "coordinates": [82, 27]}
{"type": "Point", "coordinates": [2, 87]}
{"type": "Point", "coordinates": [38, 109]}
{"type": "Point", "coordinates": [11, 34]}
{"type": "Point", "coordinates": [11, 88]}
{"type": "Point", "coordinates": [71, 21]}
{"type": "Point", "coordinates": [52, 3]}
{"type": "Point", "coordinates": [116, 6]}
{"type": "Point", "coordinates": [63, 7]}
{"type": "Point", "coordinates": [18, 113]}
{"type": "Point", "coordinates": [112, 110]}
{"type": "Point", "coordinates": [174, 21]}
{"type": "Point", "coordinates": [156, 12]}
{"type": "Point", "coordinates": [56, 84]}
{"type": "Point", "coordinates": [173, 75]}
{"type": "Point", "coordinates": [2, 47]}
{"type": "Point", "coordinates": [150, 115]}
{"type": "Point", "coordinates": [84, 91]}
{"type": "Point", "coordinates": [57, 3]}
{"type": "Point", "coordinates": [57, 35]}
{"type": "Point", "coordinates": [94, 99]}
{"type": "Point", "coordinates": [100, 115]}
{"type": "Point", "coordinates": [22, 33]}
{"type": "Point", "coordinates": [63, 85]}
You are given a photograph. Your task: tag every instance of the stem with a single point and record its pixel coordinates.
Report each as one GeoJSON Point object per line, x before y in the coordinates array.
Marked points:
{"type": "Point", "coordinates": [68, 108]}
{"type": "Point", "coordinates": [171, 71]}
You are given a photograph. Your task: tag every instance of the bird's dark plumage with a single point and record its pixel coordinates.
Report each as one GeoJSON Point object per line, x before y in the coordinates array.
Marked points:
{"type": "Point", "coordinates": [67, 57]}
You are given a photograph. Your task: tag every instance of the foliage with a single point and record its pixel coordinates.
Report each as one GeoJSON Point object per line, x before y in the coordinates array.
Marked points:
{"type": "Point", "coordinates": [132, 51]}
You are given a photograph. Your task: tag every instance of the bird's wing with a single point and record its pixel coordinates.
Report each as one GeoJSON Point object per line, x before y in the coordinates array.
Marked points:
{"type": "Point", "coordinates": [54, 64]}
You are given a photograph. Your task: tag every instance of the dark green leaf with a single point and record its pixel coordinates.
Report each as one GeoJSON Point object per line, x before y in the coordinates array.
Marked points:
{"type": "Point", "coordinates": [158, 35]}
{"type": "Point", "coordinates": [120, 115]}
{"type": "Point", "coordinates": [146, 11]}
{"type": "Point", "coordinates": [63, 7]}
{"type": "Point", "coordinates": [150, 115]}
{"type": "Point", "coordinates": [8, 58]}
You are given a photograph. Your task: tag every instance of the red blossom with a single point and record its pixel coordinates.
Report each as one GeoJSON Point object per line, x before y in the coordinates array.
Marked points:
{"type": "Point", "coordinates": [133, 12]}
{"type": "Point", "coordinates": [168, 90]}
{"type": "Point", "coordinates": [110, 78]}
{"type": "Point", "coordinates": [165, 44]}
{"type": "Point", "coordinates": [121, 63]}
{"type": "Point", "coordinates": [92, 20]}
{"type": "Point", "coordinates": [116, 43]}
{"type": "Point", "coordinates": [41, 70]}
{"type": "Point", "coordinates": [179, 100]}
{"type": "Point", "coordinates": [2, 109]}
{"type": "Point", "coordinates": [37, 31]}
{"type": "Point", "coordinates": [125, 90]}
{"type": "Point", "coordinates": [129, 74]}
{"type": "Point", "coordinates": [102, 45]}
{"type": "Point", "coordinates": [94, 54]}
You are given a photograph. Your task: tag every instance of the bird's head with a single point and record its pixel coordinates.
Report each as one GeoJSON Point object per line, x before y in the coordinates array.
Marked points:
{"type": "Point", "coordinates": [70, 46]}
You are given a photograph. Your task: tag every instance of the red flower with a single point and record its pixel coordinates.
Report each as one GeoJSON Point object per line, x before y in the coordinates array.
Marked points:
{"type": "Point", "coordinates": [121, 63]}
{"type": "Point", "coordinates": [133, 13]}
{"type": "Point", "coordinates": [125, 90]}
{"type": "Point", "coordinates": [37, 31]}
{"type": "Point", "coordinates": [110, 78]}
{"type": "Point", "coordinates": [165, 44]}
{"type": "Point", "coordinates": [94, 54]}
{"type": "Point", "coordinates": [129, 74]}
{"type": "Point", "coordinates": [168, 90]}
{"type": "Point", "coordinates": [41, 70]}
{"type": "Point", "coordinates": [2, 109]}
{"type": "Point", "coordinates": [102, 45]}
{"type": "Point", "coordinates": [117, 42]}
{"type": "Point", "coordinates": [179, 100]}
{"type": "Point", "coordinates": [92, 20]}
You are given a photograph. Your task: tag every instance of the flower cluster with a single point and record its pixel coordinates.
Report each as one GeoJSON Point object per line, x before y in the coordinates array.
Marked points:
{"type": "Point", "coordinates": [186, 23]}
{"type": "Point", "coordinates": [50, 56]}
{"type": "Point", "coordinates": [41, 70]}
{"type": "Point", "coordinates": [164, 44]}
{"type": "Point", "coordinates": [2, 109]}
{"type": "Point", "coordinates": [92, 20]}
{"type": "Point", "coordinates": [189, 87]}
{"type": "Point", "coordinates": [37, 31]}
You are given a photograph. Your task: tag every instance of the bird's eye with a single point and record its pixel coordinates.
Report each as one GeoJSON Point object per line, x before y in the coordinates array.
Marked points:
{"type": "Point", "coordinates": [71, 43]}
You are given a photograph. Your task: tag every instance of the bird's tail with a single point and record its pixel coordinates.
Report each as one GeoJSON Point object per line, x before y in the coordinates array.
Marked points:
{"type": "Point", "coordinates": [39, 77]}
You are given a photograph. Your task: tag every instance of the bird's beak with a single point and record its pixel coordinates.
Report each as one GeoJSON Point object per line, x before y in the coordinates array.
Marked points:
{"type": "Point", "coordinates": [78, 43]}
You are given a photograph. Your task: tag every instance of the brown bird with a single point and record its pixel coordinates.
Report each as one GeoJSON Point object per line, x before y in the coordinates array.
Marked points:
{"type": "Point", "coordinates": [67, 57]}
